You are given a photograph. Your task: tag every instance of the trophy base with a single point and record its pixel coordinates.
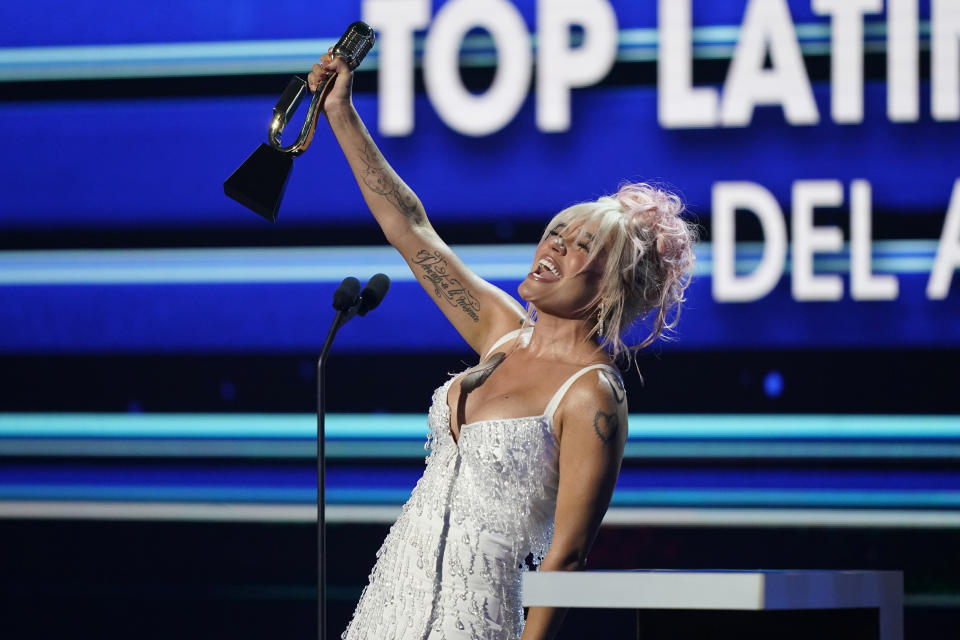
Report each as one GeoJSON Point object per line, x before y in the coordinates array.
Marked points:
{"type": "Point", "coordinates": [260, 181]}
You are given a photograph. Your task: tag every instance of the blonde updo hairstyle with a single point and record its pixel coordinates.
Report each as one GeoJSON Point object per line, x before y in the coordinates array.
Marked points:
{"type": "Point", "coordinates": [649, 262]}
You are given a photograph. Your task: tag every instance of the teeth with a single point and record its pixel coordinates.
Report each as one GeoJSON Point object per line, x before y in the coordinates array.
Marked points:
{"type": "Point", "coordinates": [548, 264]}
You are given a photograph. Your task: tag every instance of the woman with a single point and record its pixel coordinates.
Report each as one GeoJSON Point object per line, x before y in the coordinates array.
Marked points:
{"type": "Point", "coordinates": [526, 447]}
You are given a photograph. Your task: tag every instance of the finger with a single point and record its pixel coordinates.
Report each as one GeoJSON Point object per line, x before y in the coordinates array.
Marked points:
{"type": "Point", "coordinates": [337, 65]}
{"type": "Point", "coordinates": [313, 78]}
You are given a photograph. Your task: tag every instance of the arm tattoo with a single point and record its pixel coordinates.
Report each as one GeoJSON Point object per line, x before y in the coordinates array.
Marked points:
{"type": "Point", "coordinates": [480, 373]}
{"type": "Point", "coordinates": [470, 382]}
{"type": "Point", "coordinates": [616, 383]}
{"type": "Point", "coordinates": [379, 179]}
{"type": "Point", "coordinates": [445, 286]}
{"type": "Point", "coordinates": [606, 425]}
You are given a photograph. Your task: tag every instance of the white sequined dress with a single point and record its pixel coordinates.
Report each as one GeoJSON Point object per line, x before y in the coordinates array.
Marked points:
{"type": "Point", "coordinates": [451, 565]}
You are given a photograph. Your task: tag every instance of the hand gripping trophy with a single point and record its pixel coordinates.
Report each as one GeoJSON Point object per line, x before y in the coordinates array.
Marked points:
{"type": "Point", "coordinates": [259, 182]}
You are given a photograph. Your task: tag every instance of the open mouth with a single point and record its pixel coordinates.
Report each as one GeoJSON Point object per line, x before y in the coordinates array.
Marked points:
{"type": "Point", "coordinates": [546, 271]}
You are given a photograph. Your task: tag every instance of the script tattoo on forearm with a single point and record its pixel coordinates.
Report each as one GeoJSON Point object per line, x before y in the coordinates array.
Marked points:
{"type": "Point", "coordinates": [380, 180]}
{"type": "Point", "coordinates": [606, 425]}
{"type": "Point", "coordinates": [445, 286]}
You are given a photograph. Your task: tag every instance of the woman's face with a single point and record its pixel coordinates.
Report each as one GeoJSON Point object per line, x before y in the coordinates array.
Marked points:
{"type": "Point", "coordinates": [564, 281]}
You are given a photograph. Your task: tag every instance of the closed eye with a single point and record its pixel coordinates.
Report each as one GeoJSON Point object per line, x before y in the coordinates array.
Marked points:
{"type": "Point", "coordinates": [556, 229]}
{"type": "Point", "coordinates": [585, 245]}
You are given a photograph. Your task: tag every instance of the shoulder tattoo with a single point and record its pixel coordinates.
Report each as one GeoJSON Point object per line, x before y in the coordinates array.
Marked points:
{"type": "Point", "coordinates": [606, 425]}
{"type": "Point", "coordinates": [616, 383]}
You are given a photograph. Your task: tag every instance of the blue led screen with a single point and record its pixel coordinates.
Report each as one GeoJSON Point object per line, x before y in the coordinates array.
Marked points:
{"type": "Point", "coordinates": [50, 23]}
{"type": "Point", "coordinates": [115, 163]}
{"type": "Point", "coordinates": [294, 317]}
{"type": "Point", "coordinates": [123, 164]}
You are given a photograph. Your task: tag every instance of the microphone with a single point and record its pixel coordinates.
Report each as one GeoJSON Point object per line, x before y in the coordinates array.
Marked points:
{"type": "Point", "coordinates": [373, 293]}
{"type": "Point", "coordinates": [349, 301]}
{"type": "Point", "coordinates": [346, 294]}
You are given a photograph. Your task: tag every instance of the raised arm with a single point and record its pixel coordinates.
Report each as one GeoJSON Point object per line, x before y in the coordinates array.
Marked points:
{"type": "Point", "coordinates": [479, 311]}
{"type": "Point", "coordinates": [593, 431]}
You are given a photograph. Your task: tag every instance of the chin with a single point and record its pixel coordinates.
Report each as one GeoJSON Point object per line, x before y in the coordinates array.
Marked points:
{"type": "Point", "coordinates": [522, 290]}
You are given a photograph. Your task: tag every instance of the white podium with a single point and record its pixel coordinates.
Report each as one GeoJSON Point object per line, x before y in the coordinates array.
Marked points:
{"type": "Point", "coordinates": [723, 590]}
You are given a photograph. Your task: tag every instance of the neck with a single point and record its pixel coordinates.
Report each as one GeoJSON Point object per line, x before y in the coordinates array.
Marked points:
{"type": "Point", "coordinates": [565, 340]}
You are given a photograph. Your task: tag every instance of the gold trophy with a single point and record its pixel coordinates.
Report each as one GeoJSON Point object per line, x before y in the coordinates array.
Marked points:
{"type": "Point", "coordinates": [259, 182]}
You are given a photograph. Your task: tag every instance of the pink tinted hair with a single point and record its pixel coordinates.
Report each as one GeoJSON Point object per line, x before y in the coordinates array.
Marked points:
{"type": "Point", "coordinates": [649, 261]}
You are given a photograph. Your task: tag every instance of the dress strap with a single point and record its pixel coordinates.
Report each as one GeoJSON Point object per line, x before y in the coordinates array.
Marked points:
{"type": "Point", "coordinates": [558, 396]}
{"type": "Point", "coordinates": [507, 337]}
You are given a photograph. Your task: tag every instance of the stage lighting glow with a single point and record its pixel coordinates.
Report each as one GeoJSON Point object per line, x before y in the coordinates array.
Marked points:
{"type": "Point", "coordinates": [773, 384]}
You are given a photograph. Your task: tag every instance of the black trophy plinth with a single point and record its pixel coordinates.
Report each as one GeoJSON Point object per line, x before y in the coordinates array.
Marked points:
{"type": "Point", "coordinates": [259, 182]}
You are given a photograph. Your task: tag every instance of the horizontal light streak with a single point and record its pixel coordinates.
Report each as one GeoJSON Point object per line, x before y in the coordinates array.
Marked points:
{"type": "Point", "coordinates": [375, 426]}
{"type": "Point", "coordinates": [205, 512]}
{"type": "Point", "coordinates": [131, 491]}
{"type": "Point", "coordinates": [176, 59]}
{"type": "Point", "coordinates": [156, 60]}
{"type": "Point", "coordinates": [224, 265]}
{"type": "Point", "coordinates": [413, 449]}
{"type": "Point", "coordinates": [188, 448]}
{"type": "Point", "coordinates": [328, 264]}
{"type": "Point", "coordinates": [648, 497]}
{"type": "Point", "coordinates": [376, 514]}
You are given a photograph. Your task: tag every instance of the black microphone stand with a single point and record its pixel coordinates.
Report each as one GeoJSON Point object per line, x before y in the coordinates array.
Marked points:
{"type": "Point", "coordinates": [368, 300]}
{"type": "Point", "coordinates": [338, 321]}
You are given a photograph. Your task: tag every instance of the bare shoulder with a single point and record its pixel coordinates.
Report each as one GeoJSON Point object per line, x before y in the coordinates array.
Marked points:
{"type": "Point", "coordinates": [595, 409]}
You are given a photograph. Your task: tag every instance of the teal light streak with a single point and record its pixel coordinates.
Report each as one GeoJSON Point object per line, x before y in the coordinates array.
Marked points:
{"type": "Point", "coordinates": [327, 264]}
{"type": "Point", "coordinates": [175, 59]}
{"type": "Point", "coordinates": [413, 448]}
{"type": "Point", "coordinates": [405, 427]}
{"type": "Point", "coordinates": [647, 497]}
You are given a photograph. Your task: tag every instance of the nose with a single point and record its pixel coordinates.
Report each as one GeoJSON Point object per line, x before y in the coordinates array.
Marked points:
{"type": "Point", "coordinates": [560, 244]}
